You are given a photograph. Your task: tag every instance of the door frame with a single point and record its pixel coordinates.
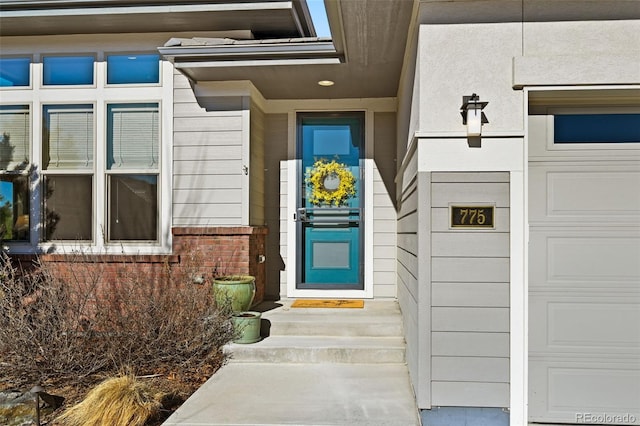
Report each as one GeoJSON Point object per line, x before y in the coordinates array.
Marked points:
{"type": "Point", "coordinates": [294, 166]}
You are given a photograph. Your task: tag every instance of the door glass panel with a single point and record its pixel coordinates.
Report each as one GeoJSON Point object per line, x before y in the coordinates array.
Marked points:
{"type": "Point", "coordinates": [329, 214]}
{"type": "Point", "coordinates": [331, 255]}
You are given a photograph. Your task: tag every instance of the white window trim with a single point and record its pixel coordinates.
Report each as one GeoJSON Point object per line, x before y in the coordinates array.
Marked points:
{"type": "Point", "coordinates": [98, 95]}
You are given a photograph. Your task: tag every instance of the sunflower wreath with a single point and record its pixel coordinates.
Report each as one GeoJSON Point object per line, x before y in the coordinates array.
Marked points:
{"type": "Point", "coordinates": [342, 183]}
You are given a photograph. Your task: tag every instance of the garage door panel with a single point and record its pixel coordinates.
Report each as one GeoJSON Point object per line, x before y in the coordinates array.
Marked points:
{"type": "Point", "coordinates": [584, 278]}
{"type": "Point", "coordinates": [582, 388]}
{"type": "Point", "coordinates": [583, 193]}
{"type": "Point", "coordinates": [585, 326]}
{"type": "Point", "coordinates": [587, 258]}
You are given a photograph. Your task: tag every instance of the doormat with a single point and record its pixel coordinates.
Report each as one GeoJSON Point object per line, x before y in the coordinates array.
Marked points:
{"type": "Point", "coordinates": [328, 303]}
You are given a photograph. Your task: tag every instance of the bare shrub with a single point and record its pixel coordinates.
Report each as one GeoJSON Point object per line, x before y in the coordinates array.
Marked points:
{"type": "Point", "coordinates": [84, 321]}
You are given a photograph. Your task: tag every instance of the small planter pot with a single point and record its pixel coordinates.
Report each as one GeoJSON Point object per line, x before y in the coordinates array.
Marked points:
{"type": "Point", "coordinates": [237, 291]}
{"type": "Point", "coordinates": [247, 326]}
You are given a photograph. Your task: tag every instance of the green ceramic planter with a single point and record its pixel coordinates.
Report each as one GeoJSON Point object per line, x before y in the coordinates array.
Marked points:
{"type": "Point", "coordinates": [247, 326]}
{"type": "Point", "coordinates": [237, 291]}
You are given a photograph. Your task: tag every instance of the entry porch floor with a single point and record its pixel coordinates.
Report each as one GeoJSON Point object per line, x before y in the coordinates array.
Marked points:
{"type": "Point", "coordinates": [316, 366]}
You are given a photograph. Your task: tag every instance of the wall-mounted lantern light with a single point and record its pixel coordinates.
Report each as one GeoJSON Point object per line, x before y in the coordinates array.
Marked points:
{"type": "Point", "coordinates": [473, 117]}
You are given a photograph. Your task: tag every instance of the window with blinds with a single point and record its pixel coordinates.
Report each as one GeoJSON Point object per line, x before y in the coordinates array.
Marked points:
{"type": "Point", "coordinates": [68, 137]}
{"type": "Point", "coordinates": [133, 136]}
{"type": "Point", "coordinates": [14, 136]}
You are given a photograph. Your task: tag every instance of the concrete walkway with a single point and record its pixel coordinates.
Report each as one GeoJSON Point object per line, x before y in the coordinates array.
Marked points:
{"type": "Point", "coordinates": [351, 388]}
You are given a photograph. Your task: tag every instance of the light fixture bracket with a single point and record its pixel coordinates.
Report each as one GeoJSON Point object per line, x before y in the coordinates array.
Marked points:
{"type": "Point", "coordinates": [473, 118]}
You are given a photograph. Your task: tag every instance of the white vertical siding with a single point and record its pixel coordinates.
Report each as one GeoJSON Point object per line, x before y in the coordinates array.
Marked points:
{"type": "Point", "coordinates": [285, 196]}
{"type": "Point", "coordinates": [207, 159]}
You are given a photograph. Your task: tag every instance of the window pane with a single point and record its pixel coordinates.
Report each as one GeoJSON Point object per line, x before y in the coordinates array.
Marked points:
{"type": "Point", "coordinates": [133, 136]}
{"type": "Point", "coordinates": [67, 70]}
{"type": "Point", "coordinates": [14, 208]}
{"type": "Point", "coordinates": [596, 128]}
{"type": "Point", "coordinates": [133, 207]}
{"type": "Point", "coordinates": [14, 137]}
{"type": "Point", "coordinates": [68, 137]}
{"type": "Point", "coordinates": [123, 69]}
{"type": "Point", "coordinates": [67, 207]}
{"type": "Point", "coordinates": [14, 72]}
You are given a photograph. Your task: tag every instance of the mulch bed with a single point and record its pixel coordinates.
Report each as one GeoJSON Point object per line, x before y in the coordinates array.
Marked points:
{"type": "Point", "coordinates": [173, 388]}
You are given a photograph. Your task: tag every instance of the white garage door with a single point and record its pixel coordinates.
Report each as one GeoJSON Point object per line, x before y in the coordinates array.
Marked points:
{"type": "Point", "coordinates": [584, 267]}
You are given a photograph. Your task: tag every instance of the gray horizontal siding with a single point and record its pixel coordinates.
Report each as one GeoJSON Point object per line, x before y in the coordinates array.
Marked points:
{"type": "Point", "coordinates": [445, 193]}
{"type": "Point", "coordinates": [470, 244]}
{"type": "Point", "coordinates": [470, 269]}
{"type": "Point", "coordinates": [470, 344]}
{"type": "Point", "coordinates": [407, 270]}
{"type": "Point", "coordinates": [470, 294]}
{"type": "Point", "coordinates": [207, 161]}
{"type": "Point", "coordinates": [472, 319]}
{"type": "Point", "coordinates": [470, 369]}
{"type": "Point", "coordinates": [470, 273]}
{"type": "Point", "coordinates": [470, 394]}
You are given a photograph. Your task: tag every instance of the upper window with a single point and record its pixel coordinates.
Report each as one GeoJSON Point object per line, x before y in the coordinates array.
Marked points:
{"type": "Point", "coordinates": [67, 70]}
{"type": "Point", "coordinates": [14, 72]}
{"type": "Point", "coordinates": [132, 69]}
{"type": "Point", "coordinates": [596, 128]}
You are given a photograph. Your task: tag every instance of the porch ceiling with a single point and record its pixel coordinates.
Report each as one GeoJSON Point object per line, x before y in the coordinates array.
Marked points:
{"type": "Point", "coordinates": [369, 37]}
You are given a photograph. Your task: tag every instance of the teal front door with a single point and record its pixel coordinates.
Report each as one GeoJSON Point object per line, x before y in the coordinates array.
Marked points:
{"type": "Point", "coordinates": [329, 212]}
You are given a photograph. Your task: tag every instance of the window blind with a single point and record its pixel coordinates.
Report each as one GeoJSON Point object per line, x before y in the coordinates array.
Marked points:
{"type": "Point", "coordinates": [14, 136]}
{"type": "Point", "coordinates": [133, 138]}
{"type": "Point", "coordinates": [70, 138]}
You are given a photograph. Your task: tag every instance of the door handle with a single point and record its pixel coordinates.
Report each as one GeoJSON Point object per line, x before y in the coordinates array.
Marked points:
{"type": "Point", "coordinates": [300, 215]}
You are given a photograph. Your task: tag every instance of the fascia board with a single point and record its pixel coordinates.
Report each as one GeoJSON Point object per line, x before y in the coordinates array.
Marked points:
{"type": "Point", "coordinates": [233, 50]}
{"type": "Point", "coordinates": [257, 62]}
{"type": "Point", "coordinates": [323, 52]}
{"type": "Point", "coordinates": [47, 11]}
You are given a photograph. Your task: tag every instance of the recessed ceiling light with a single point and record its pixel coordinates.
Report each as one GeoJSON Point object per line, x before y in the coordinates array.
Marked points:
{"type": "Point", "coordinates": [326, 83]}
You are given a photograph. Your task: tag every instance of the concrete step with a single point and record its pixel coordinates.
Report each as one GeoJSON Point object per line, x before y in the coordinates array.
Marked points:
{"type": "Point", "coordinates": [322, 325]}
{"type": "Point", "coordinates": [321, 349]}
{"type": "Point", "coordinates": [378, 319]}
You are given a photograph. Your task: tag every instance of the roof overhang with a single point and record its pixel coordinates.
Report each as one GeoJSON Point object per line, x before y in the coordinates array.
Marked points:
{"type": "Point", "coordinates": [364, 57]}
{"type": "Point", "coordinates": [225, 53]}
{"type": "Point", "coordinates": [274, 18]}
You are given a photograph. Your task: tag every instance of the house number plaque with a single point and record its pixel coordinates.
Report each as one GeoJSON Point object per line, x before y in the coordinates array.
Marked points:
{"type": "Point", "coordinates": [472, 216]}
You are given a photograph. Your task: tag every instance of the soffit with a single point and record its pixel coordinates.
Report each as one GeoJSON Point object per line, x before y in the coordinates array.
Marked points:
{"type": "Point", "coordinates": [369, 36]}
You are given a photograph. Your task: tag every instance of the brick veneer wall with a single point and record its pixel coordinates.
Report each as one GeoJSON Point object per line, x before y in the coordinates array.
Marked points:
{"type": "Point", "coordinates": [206, 251]}
{"type": "Point", "coordinates": [226, 251]}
